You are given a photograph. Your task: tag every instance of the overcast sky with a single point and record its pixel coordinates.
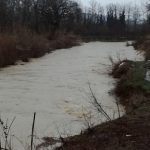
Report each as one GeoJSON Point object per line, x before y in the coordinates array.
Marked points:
{"type": "Point", "coordinates": [105, 2]}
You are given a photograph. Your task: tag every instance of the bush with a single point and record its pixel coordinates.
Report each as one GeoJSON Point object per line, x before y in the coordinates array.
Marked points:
{"type": "Point", "coordinates": [21, 46]}
{"type": "Point", "coordinates": [25, 44]}
{"type": "Point", "coordinates": [8, 51]}
{"type": "Point", "coordinates": [31, 45]}
{"type": "Point", "coordinates": [63, 40]}
{"type": "Point", "coordinates": [120, 68]}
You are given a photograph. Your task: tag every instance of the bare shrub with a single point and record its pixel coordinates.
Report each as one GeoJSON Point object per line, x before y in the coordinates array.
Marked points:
{"type": "Point", "coordinates": [64, 40]}
{"type": "Point", "coordinates": [24, 44]}
{"type": "Point", "coordinates": [8, 51]}
{"type": "Point", "coordinates": [120, 67]}
{"type": "Point", "coordinates": [5, 127]}
{"type": "Point", "coordinates": [31, 45]}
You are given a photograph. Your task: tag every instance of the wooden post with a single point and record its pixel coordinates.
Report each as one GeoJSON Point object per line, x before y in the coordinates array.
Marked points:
{"type": "Point", "coordinates": [32, 133]}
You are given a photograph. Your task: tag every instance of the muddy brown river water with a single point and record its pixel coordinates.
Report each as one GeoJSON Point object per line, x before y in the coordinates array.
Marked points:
{"type": "Point", "coordinates": [56, 86]}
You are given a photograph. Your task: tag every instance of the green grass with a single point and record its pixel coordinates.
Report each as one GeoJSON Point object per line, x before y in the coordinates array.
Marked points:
{"type": "Point", "coordinates": [137, 79]}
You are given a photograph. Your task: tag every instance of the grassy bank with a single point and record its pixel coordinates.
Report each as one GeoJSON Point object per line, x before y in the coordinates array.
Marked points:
{"type": "Point", "coordinates": [143, 45]}
{"type": "Point", "coordinates": [24, 45]}
{"type": "Point", "coordinates": [131, 132]}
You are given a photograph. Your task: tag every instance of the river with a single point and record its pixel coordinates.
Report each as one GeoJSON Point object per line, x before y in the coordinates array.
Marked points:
{"type": "Point", "coordinates": [56, 87]}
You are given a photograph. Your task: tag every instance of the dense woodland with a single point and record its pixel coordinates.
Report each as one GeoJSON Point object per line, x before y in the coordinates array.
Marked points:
{"type": "Point", "coordinates": [42, 16]}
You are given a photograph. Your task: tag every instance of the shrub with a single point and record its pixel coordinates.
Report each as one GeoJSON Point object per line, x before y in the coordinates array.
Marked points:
{"type": "Point", "coordinates": [31, 45]}
{"type": "Point", "coordinates": [63, 40]}
{"type": "Point", "coordinates": [120, 68]}
{"type": "Point", "coordinates": [25, 44]}
{"type": "Point", "coordinates": [8, 51]}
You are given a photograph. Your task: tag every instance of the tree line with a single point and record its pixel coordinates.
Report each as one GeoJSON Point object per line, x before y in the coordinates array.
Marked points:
{"type": "Point", "coordinates": [38, 15]}
{"type": "Point", "coordinates": [42, 16]}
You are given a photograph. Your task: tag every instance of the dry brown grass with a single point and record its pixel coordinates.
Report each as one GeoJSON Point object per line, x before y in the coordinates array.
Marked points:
{"type": "Point", "coordinates": [63, 40]}
{"type": "Point", "coordinates": [31, 45]}
{"type": "Point", "coordinates": [25, 44]}
{"type": "Point", "coordinates": [8, 51]}
{"type": "Point", "coordinates": [21, 46]}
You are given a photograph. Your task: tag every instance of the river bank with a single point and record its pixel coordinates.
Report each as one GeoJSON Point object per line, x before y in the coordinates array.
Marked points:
{"type": "Point", "coordinates": [24, 45]}
{"type": "Point", "coordinates": [130, 132]}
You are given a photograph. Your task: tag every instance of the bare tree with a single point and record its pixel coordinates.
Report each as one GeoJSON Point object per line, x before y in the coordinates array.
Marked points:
{"type": "Point", "coordinates": [136, 16]}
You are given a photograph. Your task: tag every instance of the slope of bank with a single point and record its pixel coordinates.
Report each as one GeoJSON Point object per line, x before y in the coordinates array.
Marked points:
{"type": "Point", "coordinates": [24, 45]}
{"type": "Point", "coordinates": [131, 132]}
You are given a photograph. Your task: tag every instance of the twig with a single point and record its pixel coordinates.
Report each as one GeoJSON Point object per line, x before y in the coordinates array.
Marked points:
{"type": "Point", "coordinates": [98, 105]}
{"type": "Point", "coordinates": [117, 103]}
{"type": "Point", "coordinates": [11, 125]}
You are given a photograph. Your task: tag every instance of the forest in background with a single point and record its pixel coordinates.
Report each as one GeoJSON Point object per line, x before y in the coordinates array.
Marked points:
{"type": "Point", "coordinates": [31, 28]}
{"type": "Point", "coordinates": [49, 16]}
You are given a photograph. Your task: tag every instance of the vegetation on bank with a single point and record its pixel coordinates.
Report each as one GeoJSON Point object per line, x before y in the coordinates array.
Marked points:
{"type": "Point", "coordinates": [48, 25]}
{"type": "Point", "coordinates": [142, 45]}
{"type": "Point", "coordinates": [130, 132]}
{"type": "Point", "coordinates": [24, 45]}
{"type": "Point", "coordinates": [132, 83]}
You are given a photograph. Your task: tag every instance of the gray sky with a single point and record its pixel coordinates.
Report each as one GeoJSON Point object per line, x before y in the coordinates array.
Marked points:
{"type": "Point", "coordinates": [105, 2]}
